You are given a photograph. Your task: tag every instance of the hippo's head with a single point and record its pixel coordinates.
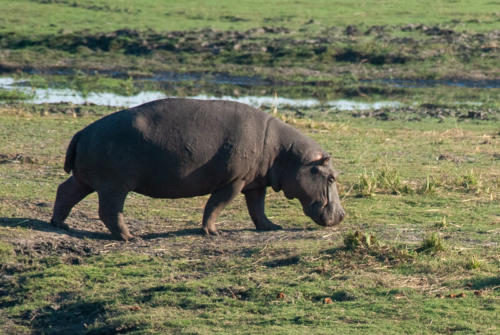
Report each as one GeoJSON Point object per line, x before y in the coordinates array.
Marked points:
{"type": "Point", "coordinates": [314, 183]}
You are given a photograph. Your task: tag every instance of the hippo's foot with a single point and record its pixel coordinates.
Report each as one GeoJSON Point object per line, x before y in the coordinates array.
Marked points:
{"type": "Point", "coordinates": [60, 225]}
{"type": "Point", "coordinates": [210, 231]}
{"type": "Point", "coordinates": [121, 234]}
{"type": "Point", "coordinates": [268, 226]}
{"type": "Point", "coordinates": [126, 237]}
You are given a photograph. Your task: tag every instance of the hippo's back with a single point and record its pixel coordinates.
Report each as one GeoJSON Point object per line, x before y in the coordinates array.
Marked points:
{"type": "Point", "coordinates": [172, 147]}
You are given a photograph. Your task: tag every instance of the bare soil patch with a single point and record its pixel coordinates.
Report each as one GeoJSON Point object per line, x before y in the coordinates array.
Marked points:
{"type": "Point", "coordinates": [34, 236]}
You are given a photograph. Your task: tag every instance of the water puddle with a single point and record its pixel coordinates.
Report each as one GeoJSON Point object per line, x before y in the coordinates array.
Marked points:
{"type": "Point", "coordinates": [51, 95]}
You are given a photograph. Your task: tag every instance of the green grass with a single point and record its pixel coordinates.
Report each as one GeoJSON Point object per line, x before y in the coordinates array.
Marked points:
{"type": "Point", "coordinates": [48, 17]}
{"type": "Point", "coordinates": [417, 252]}
{"type": "Point", "coordinates": [12, 95]}
{"type": "Point", "coordinates": [83, 83]}
{"type": "Point", "coordinates": [432, 244]}
{"type": "Point", "coordinates": [81, 35]}
{"type": "Point", "coordinates": [366, 276]}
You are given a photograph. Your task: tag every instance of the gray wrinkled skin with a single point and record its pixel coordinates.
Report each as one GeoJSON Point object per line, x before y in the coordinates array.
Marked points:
{"type": "Point", "coordinates": [176, 148]}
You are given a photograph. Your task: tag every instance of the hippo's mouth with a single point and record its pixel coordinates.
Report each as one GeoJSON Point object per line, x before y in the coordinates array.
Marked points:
{"type": "Point", "coordinates": [327, 216]}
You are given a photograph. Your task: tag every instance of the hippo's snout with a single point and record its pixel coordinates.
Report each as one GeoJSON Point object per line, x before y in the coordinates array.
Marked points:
{"type": "Point", "coordinates": [331, 218]}
{"type": "Point", "coordinates": [334, 219]}
{"type": "Point", "coordinates": [329, 215]}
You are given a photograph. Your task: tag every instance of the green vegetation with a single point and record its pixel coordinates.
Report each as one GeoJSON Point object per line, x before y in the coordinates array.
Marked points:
{"type": "Point", "coordinates": [354, 240]}
{"type": "Point", "coordinates": [13, 95]}
{"type": "Point", "coordinates": [432, 244]}
{"type": "Point", "coordinates": [418, 252]}
{"type": "Point", "coordinates": [49, 16]}
{"type": "Point", "coordinates": [84, 83]}
{"type": "Point", "coordinates": [383, 270]}
{"type": "Point", "coordinates": [325, 43]}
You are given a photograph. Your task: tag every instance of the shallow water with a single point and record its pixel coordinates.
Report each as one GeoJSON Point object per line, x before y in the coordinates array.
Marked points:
{"type": "Point", "coordinates": [51, 95]}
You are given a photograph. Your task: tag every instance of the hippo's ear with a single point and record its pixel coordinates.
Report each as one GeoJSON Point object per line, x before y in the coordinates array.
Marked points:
{"type": "Point", "coordinates": [322, 159]}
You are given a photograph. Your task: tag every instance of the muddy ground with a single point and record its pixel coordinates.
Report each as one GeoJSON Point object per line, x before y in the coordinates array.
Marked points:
{"type": "Point", "coordinates": [169, 236]}
{"type": "Point", "coordinates": [377, 51]}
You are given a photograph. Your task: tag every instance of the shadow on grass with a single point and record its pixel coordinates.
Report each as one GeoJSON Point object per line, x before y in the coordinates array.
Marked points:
{"type": "Point", "coordinates": [167, 234]}
{"type": "Point", "coordinates": [45, 226]}
{"type": "Point", "coordinates": [334, 251]}
{"type": "Point", "coordinates": [484, 283]}
{"type": "Point", "coordinates": [74, 318]}
{"type": "Point", "coordinates": [282, 262]}
{"type": "Point", "coordinates": [341, 295]}
{"type": "Point", "coordinates": [223, 232]}
{"type": "Point", "coordinates": [189, 232]}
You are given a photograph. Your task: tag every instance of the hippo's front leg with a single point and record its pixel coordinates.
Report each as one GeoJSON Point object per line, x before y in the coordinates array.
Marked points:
{"type": "Point", "coordinates": [217, 201]}
{"type": "Point", "coordinates": [255, 202]}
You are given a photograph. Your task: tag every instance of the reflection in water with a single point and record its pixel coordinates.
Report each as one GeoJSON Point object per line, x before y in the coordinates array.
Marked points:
{"type": "Point", "coordinates": [51, 95]}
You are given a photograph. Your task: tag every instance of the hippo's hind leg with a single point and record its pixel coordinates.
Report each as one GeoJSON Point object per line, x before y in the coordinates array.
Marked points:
{"type": "Point", "coordinates": [255, 202]}
{"type": "Point", "coordinates": [111, 213]}
{"type": "Point", "coordinates": [68, 195]}
{"type": "Point", "coordinates": [217, 201]}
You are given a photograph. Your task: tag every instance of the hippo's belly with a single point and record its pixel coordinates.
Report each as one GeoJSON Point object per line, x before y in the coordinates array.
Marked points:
{"type": "Point", "coordinates": [186, 173]}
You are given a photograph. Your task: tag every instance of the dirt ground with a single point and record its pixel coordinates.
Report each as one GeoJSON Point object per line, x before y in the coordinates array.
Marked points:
{"type": "Point", "coordinates": [88, 235]}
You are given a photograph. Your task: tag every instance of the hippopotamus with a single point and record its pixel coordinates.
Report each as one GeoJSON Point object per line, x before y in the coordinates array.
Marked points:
{"type": "Point", "coordinates": [177, 148]}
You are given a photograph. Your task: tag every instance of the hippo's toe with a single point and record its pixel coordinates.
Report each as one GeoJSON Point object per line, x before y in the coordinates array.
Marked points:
{"type": "Point", "coordinates": [210, 232]}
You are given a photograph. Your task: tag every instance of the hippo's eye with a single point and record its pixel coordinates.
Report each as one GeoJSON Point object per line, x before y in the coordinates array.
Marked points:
{"type": "Point", "coordinates": [331, 179]}
{"type": "Point", "coordinates": [314, 170]}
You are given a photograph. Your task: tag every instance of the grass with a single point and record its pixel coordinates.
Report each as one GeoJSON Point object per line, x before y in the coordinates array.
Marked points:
{"type": "Point", "coordinates": [470, 181]}
{"type": "Point", "coordinates": [49, 17]}
{"type": "Point", "coordinates": [432, 244]}
{"type": "Point", "coordinates": [354, 240]}
{"type": "Point", "coordinates": [418, 250]}
{"type": "Point", "coordinates": [365, 276]}
{"type": "Point", "coordinates": [473, 263]}
{"type": "Point", "coordinates": [12, 95]}
{"type": "Point", "coordinates": [84, 83]}
{"type": "Point", "coordinates": [283, 41]}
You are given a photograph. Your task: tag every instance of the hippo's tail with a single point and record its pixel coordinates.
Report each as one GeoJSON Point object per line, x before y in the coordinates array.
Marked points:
{"type": "Point", "coordinates": [69, 163]}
